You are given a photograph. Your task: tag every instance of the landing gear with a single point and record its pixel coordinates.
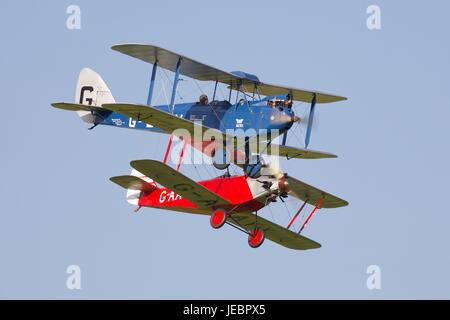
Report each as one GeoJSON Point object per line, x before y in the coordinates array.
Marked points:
{"type": "Point", "coordinates": [219, 166]}
{"type": "Point", "coordinates": [218, 218]}
{"type": "Point", "coordinates": [256, 238]}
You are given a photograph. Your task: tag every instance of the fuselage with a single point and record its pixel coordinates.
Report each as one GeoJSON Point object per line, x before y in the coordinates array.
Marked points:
{"type": "Point", "coordinates": [245, 117]}
{"type": "Point", "coordinates": [252, 196]}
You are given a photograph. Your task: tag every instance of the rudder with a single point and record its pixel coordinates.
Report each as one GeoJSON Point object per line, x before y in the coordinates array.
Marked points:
{"type": "Point", "coordinates": [91, 90]}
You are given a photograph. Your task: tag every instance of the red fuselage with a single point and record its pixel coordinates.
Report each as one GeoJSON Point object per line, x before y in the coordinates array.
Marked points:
{"type": "Point", "coordinates": [235, 189]}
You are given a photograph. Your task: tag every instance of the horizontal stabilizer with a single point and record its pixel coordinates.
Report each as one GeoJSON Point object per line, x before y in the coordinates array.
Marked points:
{"type": "Point", "coordinates": [75, 107]}
{"type": "Point", "coordinates": [312, 195]}
{"type": "Point", "coordinates": [133, 183]}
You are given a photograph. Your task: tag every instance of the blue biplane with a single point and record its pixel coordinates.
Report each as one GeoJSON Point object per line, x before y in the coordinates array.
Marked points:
{"type": "Point", "coordinates": [257, 105]}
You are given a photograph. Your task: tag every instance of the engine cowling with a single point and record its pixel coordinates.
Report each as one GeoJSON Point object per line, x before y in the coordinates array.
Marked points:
{"type": "Point", "coordinates": [259, 166]}
{"type": "Point", "coordinates": [283, 184]}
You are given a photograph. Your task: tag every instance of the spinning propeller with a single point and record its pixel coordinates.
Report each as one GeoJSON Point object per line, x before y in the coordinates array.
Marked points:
{"type": "Point", "coordinates": [308, 123]}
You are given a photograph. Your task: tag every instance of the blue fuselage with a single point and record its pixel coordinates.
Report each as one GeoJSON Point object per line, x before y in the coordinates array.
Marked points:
{"type": "Point", "coordinates": [244, 116]}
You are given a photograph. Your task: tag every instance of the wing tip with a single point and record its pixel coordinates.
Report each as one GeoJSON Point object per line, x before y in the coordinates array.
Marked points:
{"type": "Point", "coordinates": [330, 98]}
{"type": "Point", "coordinates": [115, 179]}
{"type": "Point", "coordinates": [332, 156]}
{"type": "Point", "coordinates": [58, 105]}
{"type": "Point", "coordinates": [116, 47]}
{"type": "Point", "coordinates": [139, 165]}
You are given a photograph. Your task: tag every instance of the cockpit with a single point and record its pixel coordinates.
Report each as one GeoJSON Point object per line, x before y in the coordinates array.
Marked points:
{"type": "Point", "coordinates": [277, 102]}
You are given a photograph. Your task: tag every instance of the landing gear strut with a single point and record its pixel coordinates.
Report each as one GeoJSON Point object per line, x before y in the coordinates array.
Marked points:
{"type": "Point", "coordinates": [256, 236]}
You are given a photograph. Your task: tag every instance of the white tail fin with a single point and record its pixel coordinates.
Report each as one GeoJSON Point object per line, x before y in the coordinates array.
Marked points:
{"type": "Point", "coordinates": [133, 195]}
{"type": "Point", "coordinates": [93, 91]}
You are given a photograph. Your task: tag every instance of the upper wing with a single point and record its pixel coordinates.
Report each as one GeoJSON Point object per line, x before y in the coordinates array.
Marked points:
{"type": "Point", "coordinates": [274, 232]}
{"type": "Point", "coordinates": [168, 60]}
{"type": "Point", "coordinates": [312, 195]}
{"type": "Point", "coordinates": [296, 93]}
{"type": "Point", "coordinates": [179, 183]}
{"type": "Point", "coordinates": [200, 71]}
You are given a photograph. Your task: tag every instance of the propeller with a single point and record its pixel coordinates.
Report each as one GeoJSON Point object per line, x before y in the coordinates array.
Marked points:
{"type": "Point", "coordinates": [309, 122]}
{"type": "Point", "coordinates": [312, 109]}
{"type": "Point", "coordinates": [284, 138]}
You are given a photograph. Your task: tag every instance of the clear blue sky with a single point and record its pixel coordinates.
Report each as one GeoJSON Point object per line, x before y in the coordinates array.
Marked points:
{"type": "Point", "coordinates": [392, 138]}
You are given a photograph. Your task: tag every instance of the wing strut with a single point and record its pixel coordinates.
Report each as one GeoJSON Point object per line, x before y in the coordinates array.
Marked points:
{"type": "Point", "coordinates": [215, 89]}
{"type": "Point", "coordinates": [175, 84]}
{"type": "Point", "coordinates": [169, 145]}
{"type": "Point", "coordinates": [318, 204]}
{"type": "Point", "coordinates": [182, 154]}
{"type": "Point", "coordinates": [152, 84]}
{"type": "Point", "coordinates": [296, 215]}
{"type": "Point", "coordinates": [168, 148]}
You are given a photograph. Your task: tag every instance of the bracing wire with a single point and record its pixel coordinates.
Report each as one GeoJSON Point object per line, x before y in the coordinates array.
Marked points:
{"type": "Point", "coordinates": [288, 211]}
{"type": "Point", "coordinates": [271, 213]}
{"type": "Point", "coordinates": [222, 93]}
{"type": "Point", "coordinates": [168, 79]}
{"type": "Point", "coordinates": [163, 85]}
{"type": "Point", "coordinates": [198, 86]}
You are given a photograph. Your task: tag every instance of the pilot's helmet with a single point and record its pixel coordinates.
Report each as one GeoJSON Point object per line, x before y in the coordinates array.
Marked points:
{"type": "Point", "coordinates": [203, 98]}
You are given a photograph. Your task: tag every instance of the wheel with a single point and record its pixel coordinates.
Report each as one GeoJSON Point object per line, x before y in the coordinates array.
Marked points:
{"type": "Point", "coordinates": [218, 218]}
{"type": "Point", "coordinates": [220, 166]}
{"type": "Point", "coordinates": [222, 162]}
{"type": "Point", "coordinates": [256, 238]}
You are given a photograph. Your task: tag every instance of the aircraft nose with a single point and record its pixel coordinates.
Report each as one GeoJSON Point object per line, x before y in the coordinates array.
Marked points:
{"type": "Point", "coordinates": [295, 118]}
{"type": "Point", "coordinates": [283, 118]}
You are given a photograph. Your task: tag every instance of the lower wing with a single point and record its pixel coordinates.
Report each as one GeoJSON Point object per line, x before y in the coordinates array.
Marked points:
{"type": "Point", "coordinates": [189, 129]}
{"type": "Point", "coordinates": [312, 195]}
{"type": "Point", "coordinates": [273, 232]}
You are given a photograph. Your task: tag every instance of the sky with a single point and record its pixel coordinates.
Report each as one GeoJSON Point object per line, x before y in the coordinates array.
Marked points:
{"type": "Point", "coordinates": [59, 209]}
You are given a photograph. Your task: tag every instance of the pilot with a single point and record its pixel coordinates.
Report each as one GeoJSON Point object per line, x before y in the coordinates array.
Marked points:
{"type": "Point", "coordinates": [203, 100]}
{"type": "Point", "coordinates": [287, 103]}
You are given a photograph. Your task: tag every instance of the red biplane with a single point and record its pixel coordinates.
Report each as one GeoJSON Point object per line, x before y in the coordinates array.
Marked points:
{"type": "Point", "coordinates": [233, 200]}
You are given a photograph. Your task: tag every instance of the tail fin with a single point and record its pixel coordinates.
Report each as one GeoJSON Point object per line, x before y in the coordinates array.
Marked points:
{"type": "Point", "coordinates": [135, 183]}
{"type": "Point", "coordinates": [134, 195]}
{"type": "Point", "coordinates": [93, 91]}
